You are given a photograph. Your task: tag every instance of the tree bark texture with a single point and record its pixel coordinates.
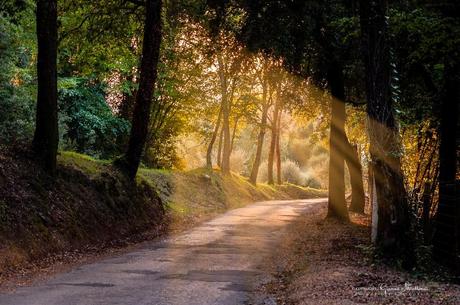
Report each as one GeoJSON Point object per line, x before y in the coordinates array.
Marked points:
{"type": "Point", "coordinates": [273, 141]}
{"type": "Point", "coordinates": [337, 206]}
{"type": "Point", "coordinates": [446, 239]}
{"type": "Point", "coordinates": [392, 234]}
{"type": "Point", "coordinates": [213, 140]}
{"type": "Point", "coordinates": [279, 179]}
{"type": "Point", "coordinates": [260, 138]}
{"type": "Point", "coordinates": [356, 179]}
{"type": "Point", "coordinates": [46, 138]}
{"type": "Point", "coordinates": [225, 116]}
{"type": "Point", "coordinates": [219, 148]}
{"type": "Point", "coordinates": [148, 75]}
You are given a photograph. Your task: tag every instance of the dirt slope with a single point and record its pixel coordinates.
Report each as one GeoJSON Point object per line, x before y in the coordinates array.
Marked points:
{"type": "Point", "coordinates": [91, 208]}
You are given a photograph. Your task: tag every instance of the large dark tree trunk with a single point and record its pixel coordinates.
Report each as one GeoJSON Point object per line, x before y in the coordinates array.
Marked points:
{"type": "Point", "coordinates": [446, 237]}
{"type": "Point", "coordinates": [426, 212]}
{"type": "Point", "coordinates": [45, 142]}
{"type": "Point", "coordinates": [337, 206]}
{"type": "Point", "coordinates": [393, 214]}
{"type": "Point", "coordinates": [356, 178]}
{"type": "Point", "coordinates": [213, 140]}
{"type": "Point", "coordinates": [148, 75]}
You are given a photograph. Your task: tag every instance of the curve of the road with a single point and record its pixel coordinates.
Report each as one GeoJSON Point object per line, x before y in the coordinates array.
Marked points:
{"type": "Point", "coordinates": [215, 263]}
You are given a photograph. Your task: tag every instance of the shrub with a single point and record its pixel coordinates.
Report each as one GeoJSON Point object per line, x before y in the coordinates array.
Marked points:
{"type": "Point", "coordinates": [161, 150]}
{"type": "Point", "coordinates": [292, 173]}
{"type": "Point", "coordinates": [88, 124]}
{"type": "Point", "coordinates": [238, 161]}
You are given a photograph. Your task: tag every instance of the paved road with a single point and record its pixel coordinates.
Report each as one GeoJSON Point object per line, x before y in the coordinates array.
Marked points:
{"type": "Point", "coordinates": [215, 263]}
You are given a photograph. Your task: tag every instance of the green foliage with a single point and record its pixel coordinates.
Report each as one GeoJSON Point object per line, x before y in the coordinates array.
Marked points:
{"type": "Point", "coordinates": [16, 74]}
{"type": "Point", "coordinates": [98, 38]}
{"type": "Point", "coordinates": [176, 96]}
{"type": "Point", "coordinates": [89, 125]}
{"type": "Point", "coordinates": [430, 41]}
{"type": "Point", "coordinates": [161, 150]}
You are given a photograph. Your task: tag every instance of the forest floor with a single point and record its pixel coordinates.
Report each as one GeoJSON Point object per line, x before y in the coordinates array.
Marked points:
{"type": "Point", "coordinates": [322, 261]}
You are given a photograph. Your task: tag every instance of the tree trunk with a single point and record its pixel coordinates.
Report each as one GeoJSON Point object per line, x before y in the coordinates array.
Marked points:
{"type": "Point", "coordinates": [393, 228]}
{"type": "Point", "coordinates": [46, 138]}
{"type": "Point", "coordinates": [219, 148]}
{"type": "Point", "coordinates": [356, 178]}
{"type": "Point", "coordinates": [260, 138]}
{"type": "Point", "coordinates": [148, 75]}
{"type": "Point", "coordinates": [446, 236]}
{"type": "Point", "coordinates": [213, 140]}
{"type": "Point", "coordinates": [373, 203]}
{"type": "Point", "coordinates": [235, 125]}
{"type": "Point", "coordinates": [337, 206]}
{"type": "Point", "coordinates": [225, 116]}
{"type": "Point", "coordinates": [272, 149]}
{"type": "Point", "coordinates": [279, 179]}
{"type": "Point", "coordinates": [426, 211]}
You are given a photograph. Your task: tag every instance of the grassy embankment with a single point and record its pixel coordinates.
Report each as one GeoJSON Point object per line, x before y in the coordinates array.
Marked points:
{"type": "Point", "coordinates": [90, 205]}
{"type": "Point", "coordinates": [199, 194]}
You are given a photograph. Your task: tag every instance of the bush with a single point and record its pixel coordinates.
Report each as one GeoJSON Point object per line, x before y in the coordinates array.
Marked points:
{"type": "Point", "coordinates": [88, 124]}
{"type": "Point", "coordinates": [161, 150]}
{"type": "Point", "coordinates": [238, 161]}
{"type": "Point", "coordinates": [17, 112]}
{"type": "Point", "coordinates": [292, 173]}
{"type": "Point", "coordinates": [263, 172]}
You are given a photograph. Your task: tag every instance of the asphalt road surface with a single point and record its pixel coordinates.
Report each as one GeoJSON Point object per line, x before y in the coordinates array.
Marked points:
{"type": "Point", "coordinates": [215, 263]}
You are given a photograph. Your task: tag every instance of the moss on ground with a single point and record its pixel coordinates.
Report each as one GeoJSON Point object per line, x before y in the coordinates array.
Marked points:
{"type": "Point", "coordinates": [85, 163]}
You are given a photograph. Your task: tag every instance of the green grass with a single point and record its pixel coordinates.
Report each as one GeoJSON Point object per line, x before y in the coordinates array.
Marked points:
{"type": "Point", "coordinates": [85, 163]}
{"type": "Point", "coordinates": [198, 192]}
{"type": "Point", "coordinates": [201, 192]}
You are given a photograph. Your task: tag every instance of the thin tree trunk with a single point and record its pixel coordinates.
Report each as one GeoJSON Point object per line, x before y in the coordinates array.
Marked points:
{"type": "Point", "coordinates": [260, 138]}
{"type": "Point", "coordinates": [337, 206]}
{"type": "Point", "coordinates": [46, 138]}
{"type": "Point", "coordinates": [271, 151]}
{"type": "Point", "coordinates": [213, 140]}
{"type": "Point", "coordinates": [225, 116]}
{"type": "Point", "coordinates": [393, 227]}
{"type": "Point", "coordinates": [235, 125]}
{"type": "Point", "coordinates": [219, 148]}
{"type": "Point", "coordinates": [279, 179]}
{"type": "Point", "coordinates": [356, 178]}
{"type": "Point", "coordinates": [148, 75]}
{"type": "Point", "coordinates": [446, 236]}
